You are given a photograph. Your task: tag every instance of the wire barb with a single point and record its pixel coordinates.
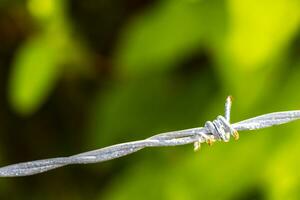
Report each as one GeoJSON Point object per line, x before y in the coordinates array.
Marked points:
{"type": "Point", "coordinates": [219, 129]}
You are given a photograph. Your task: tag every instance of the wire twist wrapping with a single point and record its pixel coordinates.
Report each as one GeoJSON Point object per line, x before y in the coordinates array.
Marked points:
{"type": "Point", "coordinates": [219, 129]}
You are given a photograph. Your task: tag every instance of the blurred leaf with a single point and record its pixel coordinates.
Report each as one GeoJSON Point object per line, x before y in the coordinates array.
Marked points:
{"type": "Point", "coordinates": [259, 32]}
{"type": "Point", "coordinates": [39, 62]}
{"type": "Point", "coordinates": [42, 9]}
{"type": "Point", "coordinates": [35, 72]}
{"type": "Point", "coordinates": [168, 32]}
{"type": "Point", "coordinates": [47, 11]}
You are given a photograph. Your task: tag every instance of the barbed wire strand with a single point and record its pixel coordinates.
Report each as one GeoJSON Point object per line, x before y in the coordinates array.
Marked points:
{"type": "Point", "coordinates": [219, 129]}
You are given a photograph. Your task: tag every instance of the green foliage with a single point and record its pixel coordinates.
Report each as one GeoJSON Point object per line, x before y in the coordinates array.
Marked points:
{"type": "Point", "coordinates": [166, 66]}
{"type": "Point", "coordinates": [41, 60]}
{"type": "Point", "coordinates": [167, 33]}
{"type": "Point", "coordinates": [256, 43]}
{"type": "Point", "coordinates": [36, 70]}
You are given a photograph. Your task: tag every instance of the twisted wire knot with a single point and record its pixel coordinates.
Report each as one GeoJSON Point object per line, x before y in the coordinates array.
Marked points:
{"type": "Point", "coordinates": [220, 129]}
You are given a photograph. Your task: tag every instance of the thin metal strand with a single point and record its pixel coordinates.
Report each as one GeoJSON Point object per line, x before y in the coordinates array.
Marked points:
{"type": "Point", "coordinates": [228, 108]}
{"type": "Point", "coordinates": [217, 131]}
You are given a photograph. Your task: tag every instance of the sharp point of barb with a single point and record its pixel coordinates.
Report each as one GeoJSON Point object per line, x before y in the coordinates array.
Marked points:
{"type": "Point", "coordinates": [230, 97]}
{"type": "Point", "coordinates": [219, 129]}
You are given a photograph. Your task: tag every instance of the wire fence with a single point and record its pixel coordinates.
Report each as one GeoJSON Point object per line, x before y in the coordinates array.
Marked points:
{"type": "Point", "coordinates": [219, 129]}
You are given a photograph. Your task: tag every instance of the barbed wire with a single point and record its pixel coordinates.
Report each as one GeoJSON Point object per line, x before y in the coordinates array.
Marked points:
{"type": "Point", "coordinates": [219, 129]}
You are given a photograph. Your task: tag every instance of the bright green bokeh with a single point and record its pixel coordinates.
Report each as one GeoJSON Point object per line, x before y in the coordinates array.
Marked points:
{"type": "Point", "coordinates": [252, 48]}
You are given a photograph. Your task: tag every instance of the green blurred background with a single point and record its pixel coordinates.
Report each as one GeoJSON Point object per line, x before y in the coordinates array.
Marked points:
{"type": "Point", "coordinates": [80, 75]}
